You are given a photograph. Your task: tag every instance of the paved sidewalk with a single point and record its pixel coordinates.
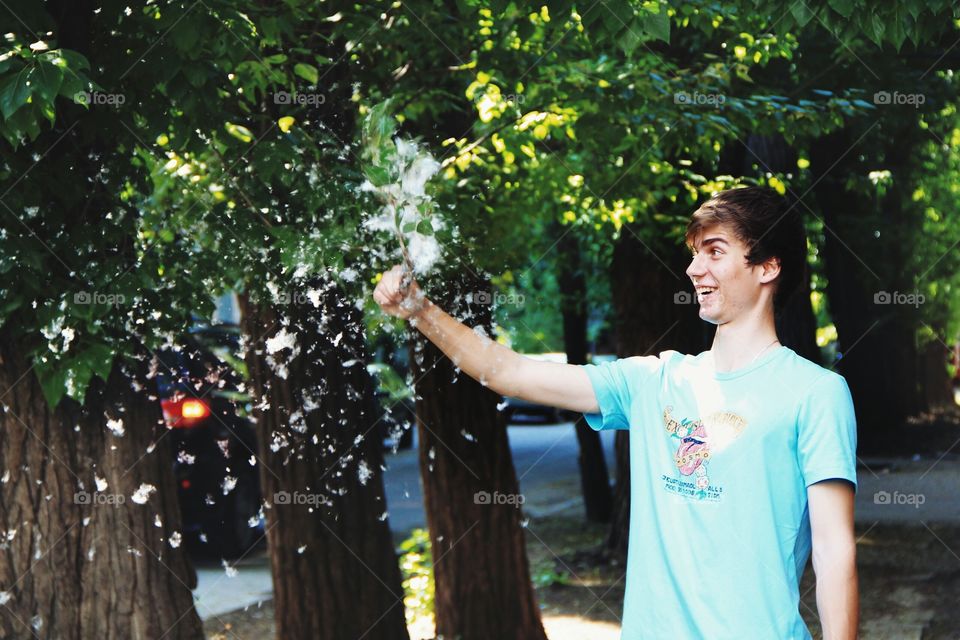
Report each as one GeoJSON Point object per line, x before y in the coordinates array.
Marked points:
{"type": "Point", "coordinates": [909, 490]}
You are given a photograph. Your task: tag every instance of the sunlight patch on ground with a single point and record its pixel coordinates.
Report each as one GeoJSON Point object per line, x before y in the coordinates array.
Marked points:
{"type": "Point", "coordinates": [557, 628]}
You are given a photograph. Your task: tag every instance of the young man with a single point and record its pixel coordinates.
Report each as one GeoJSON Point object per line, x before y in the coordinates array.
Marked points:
{"type": "Point", "coordinates": [742, 457]}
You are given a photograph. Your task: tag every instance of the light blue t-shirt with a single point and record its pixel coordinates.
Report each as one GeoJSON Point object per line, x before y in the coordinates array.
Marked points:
{"type": "Point", "coordinates": [719, 466]}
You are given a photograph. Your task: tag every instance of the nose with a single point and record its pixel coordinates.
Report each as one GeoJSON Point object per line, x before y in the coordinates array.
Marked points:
{"type": "Point", "coordinates": [696, 269]}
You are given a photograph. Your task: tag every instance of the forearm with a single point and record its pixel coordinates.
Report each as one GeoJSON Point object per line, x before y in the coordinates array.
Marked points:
{"type": "Point", "coordinates": [838, 597]}
{"type": "Point", "coordinates": [481, 358]}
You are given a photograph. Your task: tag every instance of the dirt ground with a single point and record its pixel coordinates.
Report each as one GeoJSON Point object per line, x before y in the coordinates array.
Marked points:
{"type": "Point", "coordinates": [909, 582]}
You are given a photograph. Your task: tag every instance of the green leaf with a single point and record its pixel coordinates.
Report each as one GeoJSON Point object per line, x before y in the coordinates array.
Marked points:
{"type": "Point", "coordinates": [378, 176]}
{"type": "Point", "coordinates": [425, 227]}
{"type": "Point", "coordinates": [75, 61]}
{"type": "Point", "coordinates": [101, 360]}
{"type": "Point", "coordinates": [239, 132]}
{"type": "Point", "coordinates": [875, 28]}
{"type": "Point", "coordinates": [46, 79]}
{"type": "Point", "coordinates": [24, 122]}
{"type": "Point", "coordinates": [843, 7]}
{"type": "Point", "coordinates": [897, 28]}
{"type": "Point", "coordinates": [378, 127]}
{"type": "Point", "coordinates": [14, 92]}
{"type": "Point", "coordinates": [619, 15]}
{"type": "Point", "coordinates": [630, 38]}
{"type": "Point", "coordinates": [71, 85]}
{"type": "Point", "coordinates": [306, 71]}
{"type": "Point", "coordinates": [186, 35]}
{"type": "Point", "coordinates": [53, 380]}
{"type": "Point", "coordinates": [801, 13]}
{"type": "Point", "coordinates": [195, 75]}
{"type": "Point", "coordinates": [658, 24]}
{"type": "Point", "coordinates": [409, 227]}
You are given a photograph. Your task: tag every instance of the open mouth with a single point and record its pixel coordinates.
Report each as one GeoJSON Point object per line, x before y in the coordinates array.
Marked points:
{"type": "Point", "coordinates": [703, 292]}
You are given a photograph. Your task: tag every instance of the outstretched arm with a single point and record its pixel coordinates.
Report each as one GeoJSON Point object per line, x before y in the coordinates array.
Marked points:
{"type": "Point", "coordinates": [492, 364]}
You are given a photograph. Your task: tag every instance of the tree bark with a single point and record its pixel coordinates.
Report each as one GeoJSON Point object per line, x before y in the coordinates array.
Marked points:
{"type": "Point", "coordinates": [483, 588]}
{"type": "Point", "coordinates": [934, 378]}
{"type": "Point", "coordinates": [594, 478]}
{"type": "Point", "coordinates": [335, 571]}
{"type": "Point", "coordinates": [79, 561]}
{"type": "Point", "coordinates": [877, 342]}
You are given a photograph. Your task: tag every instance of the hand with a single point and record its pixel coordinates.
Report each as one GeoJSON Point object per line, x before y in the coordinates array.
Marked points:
{"type": "Point", "coordinates": [398, 294]}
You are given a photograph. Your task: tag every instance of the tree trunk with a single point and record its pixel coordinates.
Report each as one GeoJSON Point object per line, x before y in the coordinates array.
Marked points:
{"type": "Point", "coordinates": [594, 478]}
{"type": "Point", "coordinates": [471, 495]}
{"type": "Point", "coordinates": [655, 310]}
{"type": "Point", "coordinates": [877, 342]}
{"type": "Point", "coordinates": [934, 377]}
{"type": "Point", "coordinates": [81, 558]}
{"type": "Point", "coordinates": [335, 571]}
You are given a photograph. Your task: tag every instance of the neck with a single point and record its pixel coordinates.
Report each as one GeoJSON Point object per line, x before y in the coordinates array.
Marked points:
{"type": "Point", "coordinates": [739, 343]}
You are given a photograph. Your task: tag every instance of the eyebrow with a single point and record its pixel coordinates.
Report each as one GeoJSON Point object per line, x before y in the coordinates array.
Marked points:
{"type": "Point", "coordinates": [709, 241]}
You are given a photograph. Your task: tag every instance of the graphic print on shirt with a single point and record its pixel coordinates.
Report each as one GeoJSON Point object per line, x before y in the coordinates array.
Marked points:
{"type": "Point", "coordinates": [699, 440]}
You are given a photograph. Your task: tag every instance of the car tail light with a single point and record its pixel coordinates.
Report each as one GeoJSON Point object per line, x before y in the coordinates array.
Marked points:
{"type": "Point", "coordinates": [185, 412]}
{"type": "Point", "coordinates": [193, 409]}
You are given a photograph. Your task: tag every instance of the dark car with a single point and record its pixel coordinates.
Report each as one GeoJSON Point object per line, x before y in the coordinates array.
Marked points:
{"type": "Point", "coordinates": [519, 411]}
{"type": "Point", "coordinates": [214, 441]}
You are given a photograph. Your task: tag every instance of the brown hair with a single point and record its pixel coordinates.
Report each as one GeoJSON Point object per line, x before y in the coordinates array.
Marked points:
{"type": "Point", "coordinates": [767, 224]}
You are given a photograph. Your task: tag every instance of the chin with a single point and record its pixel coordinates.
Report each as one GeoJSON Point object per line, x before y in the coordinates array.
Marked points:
{"type": "Point", "coordinates": [709, 317]}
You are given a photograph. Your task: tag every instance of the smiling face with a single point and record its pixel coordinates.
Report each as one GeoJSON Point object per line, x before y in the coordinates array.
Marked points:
{"type": "Point", "coordinates": [726, 285]}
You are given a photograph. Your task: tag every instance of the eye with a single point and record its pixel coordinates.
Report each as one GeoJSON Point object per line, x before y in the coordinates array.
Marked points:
{"type": "Point", "coordinates": [715, 252]}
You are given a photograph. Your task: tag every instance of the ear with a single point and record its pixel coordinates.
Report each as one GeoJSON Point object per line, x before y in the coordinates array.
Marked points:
{"type": "Point", "coordinates": [770, 269]}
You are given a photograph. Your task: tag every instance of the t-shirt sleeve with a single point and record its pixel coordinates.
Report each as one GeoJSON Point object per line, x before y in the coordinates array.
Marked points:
{"type": "Point", "coordinates": [827, 438]}
{"type": "Point", "coordinates": [614, 384]}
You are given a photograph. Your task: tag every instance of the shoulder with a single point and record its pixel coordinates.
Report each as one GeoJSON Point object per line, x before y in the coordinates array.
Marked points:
{"type": "Point", "coordinates": [810, 378]}
{"type": "Point", "coordinates": [654, 363]}
{"type": "Point", "coordinates": [639, 366]}
{"type": "Point", "coordinates": [819, 393]}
